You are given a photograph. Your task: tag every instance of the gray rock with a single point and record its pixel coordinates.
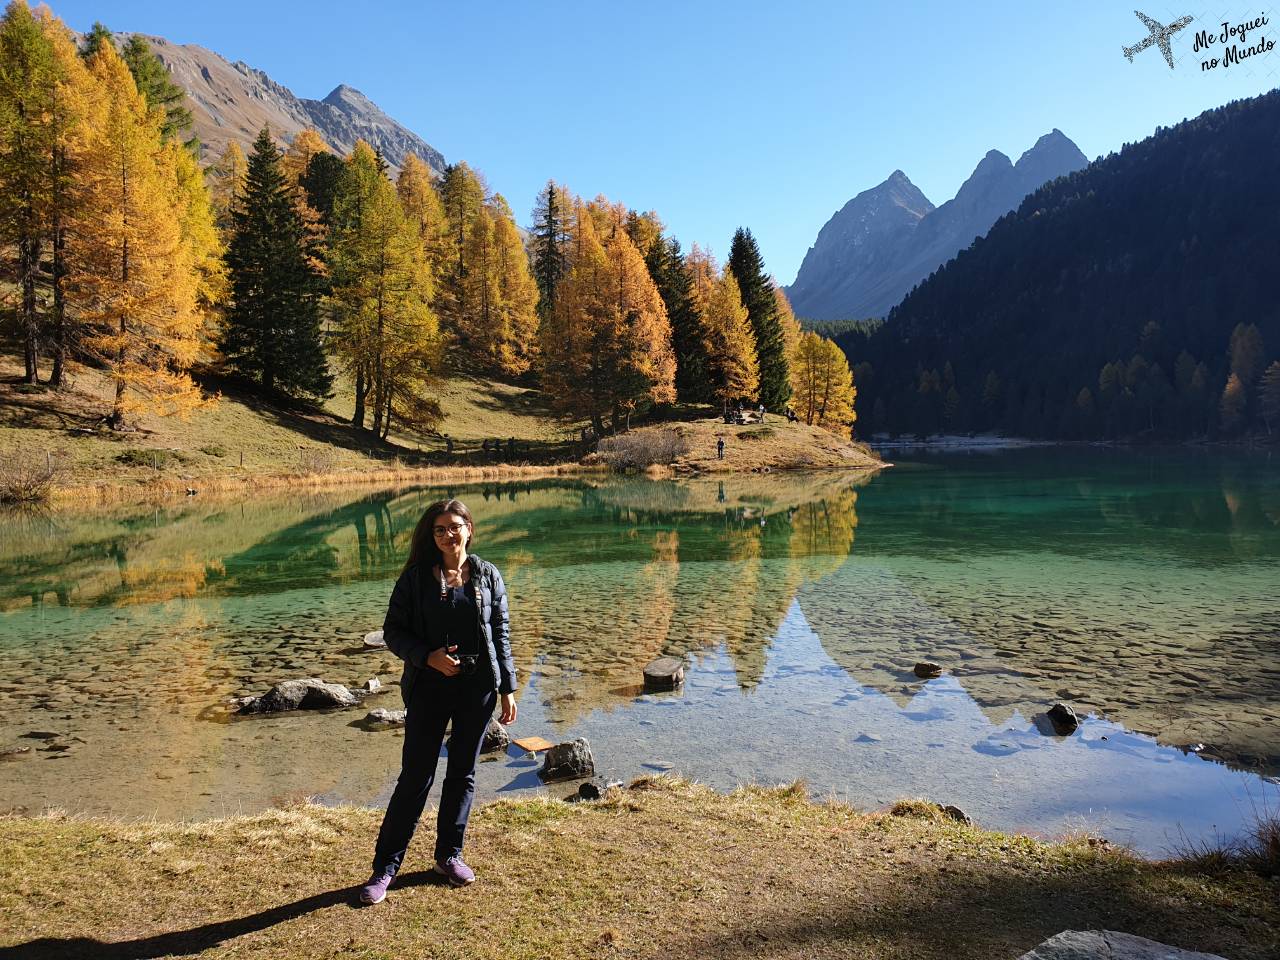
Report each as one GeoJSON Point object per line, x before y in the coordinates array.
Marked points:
{"type": "Point", "coordinates": [374, 640]}
{"type": "Point", "coordinates": [306, 694]}
{"type": "Point", "coordinates": [372, 684]}
{"type": "Point", "coordinates": [1108, 945]}
{"type": "Point", "coordinates": [393, 718]}
{"type": "Point", "coordinates": [958, 815]}
{"type": "Point", "coordinates": [495, 737]}
{"type": "Point", "coordinates": [1063, 718]}
{"type": "Point", "coordinates": [665, 673]}
{"type": "Point", "coordinates": [568, 761]}
{"type": "Point", "coordinates": [927, 670]}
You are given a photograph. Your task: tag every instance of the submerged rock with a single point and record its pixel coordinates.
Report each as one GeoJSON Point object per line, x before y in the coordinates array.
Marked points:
{"type": "Point", "coordinates": [375, 641]}
{"type": "Point", "coordinates": [568, 761]}
{"type": "Point", "coordinates": [306, 694]}
{"type": "Point", "coordinates": [927, 670]}
{"type": "Point", "coordinates": [1063, 718]}
{"type": "Point", "coordinates": [1108, 945]}
{"type": "Point", "coordinates": [372, 685]}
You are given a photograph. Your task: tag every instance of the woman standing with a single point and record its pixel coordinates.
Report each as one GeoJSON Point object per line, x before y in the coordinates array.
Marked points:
{"type": "Point", "coordinates": [448, 622]}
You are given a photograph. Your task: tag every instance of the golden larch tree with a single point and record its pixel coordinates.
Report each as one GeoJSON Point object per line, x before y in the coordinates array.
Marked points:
{"type": "Point", "coordinates": [133, 273]}
{"type": "Point", "coordinates": [422, 205]}
{"type": "Point", "coordinates": [225, 178]}
{"type": "Point", "coordinates": [728, 341]}
{"type": "Point", "coordinates": [381, 296]}
{"type": "Point", "coordinates": [822, 384]}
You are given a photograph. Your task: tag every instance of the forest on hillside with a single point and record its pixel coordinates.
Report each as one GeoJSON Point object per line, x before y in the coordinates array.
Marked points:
{"type": "Point", "coordinates": [1133, 299]}
{"type": "Point", "coordinates": [299, 272]}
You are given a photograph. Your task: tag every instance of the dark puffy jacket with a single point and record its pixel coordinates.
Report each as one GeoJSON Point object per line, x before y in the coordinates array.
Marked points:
{"type": "Point", "coordinates": [411, 635]}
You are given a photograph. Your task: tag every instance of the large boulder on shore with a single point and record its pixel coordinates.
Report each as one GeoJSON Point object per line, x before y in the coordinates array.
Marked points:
{"type": "Point", "coordinates": [306, 694]}
{"type": "Point", "coordinates": [1108, 945]}
{"type": "Point", "coordinates": [568, 761]}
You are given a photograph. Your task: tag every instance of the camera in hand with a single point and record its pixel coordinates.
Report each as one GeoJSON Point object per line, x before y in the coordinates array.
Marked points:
{"type": "Point", "coordinates": [467, 663]}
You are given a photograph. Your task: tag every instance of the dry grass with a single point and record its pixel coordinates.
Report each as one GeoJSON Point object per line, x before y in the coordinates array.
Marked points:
{"type": "Point", "coordinates": [665, 869]}
{"type": "Point", "coordinates": [772, 445]}
{"type": "Point", "coordinates": [26, 479]}
{"type": "Point", "coordinates": [638, 449]}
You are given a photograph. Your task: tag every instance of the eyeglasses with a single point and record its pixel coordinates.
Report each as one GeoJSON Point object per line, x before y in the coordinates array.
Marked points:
{"type": "Point", "coordinates": [453, 528]}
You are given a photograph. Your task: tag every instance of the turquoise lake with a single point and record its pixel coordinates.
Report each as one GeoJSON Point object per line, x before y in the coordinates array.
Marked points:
{"type": "Point", "coordinates": [1139, 586]}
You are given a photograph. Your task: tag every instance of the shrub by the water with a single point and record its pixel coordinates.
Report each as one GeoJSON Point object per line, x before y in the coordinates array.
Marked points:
{"type": "Point", "coordinates": [25, 480]}
{"type": "Point", "coordinates": [642, 449]}
{"type": "Point", "coordinates": [312, 461]}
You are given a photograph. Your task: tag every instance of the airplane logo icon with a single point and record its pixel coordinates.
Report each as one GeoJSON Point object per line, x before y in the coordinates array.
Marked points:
{"type": "Point", "coordinates": [1160, 35]}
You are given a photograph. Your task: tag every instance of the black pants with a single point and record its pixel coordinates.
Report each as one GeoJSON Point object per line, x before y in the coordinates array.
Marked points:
{"type": "Point", "coordinates": [433, 703]}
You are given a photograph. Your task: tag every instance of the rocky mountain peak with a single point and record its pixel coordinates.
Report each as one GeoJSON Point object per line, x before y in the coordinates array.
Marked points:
{"type": "Point", "coordinates": [890, 237]}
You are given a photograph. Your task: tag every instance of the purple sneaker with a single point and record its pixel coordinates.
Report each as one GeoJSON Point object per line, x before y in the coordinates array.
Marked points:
{"type": "Point", "coordinates": [375, 891]}
{"type": "Point", "coordinates": [456, 872]}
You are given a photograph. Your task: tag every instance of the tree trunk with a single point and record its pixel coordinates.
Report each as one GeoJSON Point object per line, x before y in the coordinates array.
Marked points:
{"type": "Point", "coordinates": [59, 305]}
{"type": "Point", "coordinates": [28, 261]}
{"type": "Point", "coordinates": [357, 418]}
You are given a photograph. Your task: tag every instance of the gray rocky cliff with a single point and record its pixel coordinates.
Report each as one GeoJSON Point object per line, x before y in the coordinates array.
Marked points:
{"type": "Point", "coordinates": [841, 279]}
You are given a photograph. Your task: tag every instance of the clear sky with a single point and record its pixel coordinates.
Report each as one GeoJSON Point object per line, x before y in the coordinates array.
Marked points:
{"type": "Point", "coordinates": [768, 115]}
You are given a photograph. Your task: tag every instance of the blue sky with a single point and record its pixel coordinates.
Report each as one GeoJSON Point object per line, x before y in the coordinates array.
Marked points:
{"type": "Point", "coordinates": [764, 114]}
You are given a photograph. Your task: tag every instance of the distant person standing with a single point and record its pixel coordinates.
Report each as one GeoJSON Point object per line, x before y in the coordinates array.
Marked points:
{"type": "Point", "coordinates": [448, 444]}
{"type": "Point", "coordinates": [760, 411]}
{"type": "Point", "coordinates": [720, 448]}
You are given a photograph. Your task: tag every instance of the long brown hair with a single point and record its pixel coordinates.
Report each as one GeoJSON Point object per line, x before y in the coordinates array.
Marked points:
{"type": "Point", "coordinates": [422, 548]}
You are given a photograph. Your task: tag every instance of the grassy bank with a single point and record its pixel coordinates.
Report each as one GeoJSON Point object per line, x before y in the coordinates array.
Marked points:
{"type": "Point", "coordinates": [662, 869]}
{"type": "Point", "coordinates": [245, 442]}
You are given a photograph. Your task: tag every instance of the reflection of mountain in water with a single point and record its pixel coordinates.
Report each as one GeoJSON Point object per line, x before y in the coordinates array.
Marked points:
{"type": "Point", "coordinates": [670, 569]}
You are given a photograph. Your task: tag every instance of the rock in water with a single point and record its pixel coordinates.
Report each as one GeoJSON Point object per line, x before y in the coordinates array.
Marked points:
{"type": "Point", "coordinates": [374, 640]}
{"type": "Point", "coordinates": [665, 673]}
{"type": "Point", "coordinates": [495, 737]}
{"type": "Point", "coordinates": [394, 718]}
{"type": "Point", "coordinates": [927, 670]}
{"type": "Point", "coordinates": [305, 694]}
{"type": "Point", "coordinates": [1108, 945]}
{"type": "Point", "coordinates": [568, 761]}
{"type": "Point", "coordinates": [372, 685]}
{"type": "Point", "coordinates": [1063, 718]}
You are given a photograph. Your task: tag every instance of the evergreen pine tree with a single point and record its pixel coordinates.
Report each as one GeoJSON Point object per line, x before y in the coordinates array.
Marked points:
{"type": "Point", "coordinates": [272, 331]}
{"type": "Point", "coordinates": [157, 86]}
{"type": "Point", "coordinates": [762, 309]}
{"type": "Point", "coordinates": [28, 76]}
{"type": "Point", "coordinates": [320, 181]}
{"type": "Point", "coordinates": [671, 275]}
{"type": "Point", "coordinates": [93, 40]}
{"type": "Point", "coordinates": [550, 241]}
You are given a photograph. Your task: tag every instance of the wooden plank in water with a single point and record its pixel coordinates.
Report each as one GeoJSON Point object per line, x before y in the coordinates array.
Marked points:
{"type": "Point", "coordinates": [533, 744]}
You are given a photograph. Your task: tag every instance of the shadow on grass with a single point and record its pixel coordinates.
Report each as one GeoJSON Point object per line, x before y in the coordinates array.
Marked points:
{"type": "Point", "coordinates": [1002, 914]}
{"type": "Point", "coordinates": [206, 937]}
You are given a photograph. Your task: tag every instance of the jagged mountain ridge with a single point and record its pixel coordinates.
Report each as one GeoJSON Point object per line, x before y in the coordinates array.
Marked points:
{"type": "Point", "coordinates": [847, 274]}
{"type": "Point", "coordinates": [232, 101]}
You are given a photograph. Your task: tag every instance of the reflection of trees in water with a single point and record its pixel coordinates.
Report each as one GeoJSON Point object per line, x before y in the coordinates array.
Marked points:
{"type": "Point", "coordinates": [668, 583]}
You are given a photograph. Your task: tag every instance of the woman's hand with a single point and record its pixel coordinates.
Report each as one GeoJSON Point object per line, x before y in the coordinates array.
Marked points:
{"type": "Point", "coordinates": [508, 708]}
{"type": "Point", "coordinates": [440, 659]}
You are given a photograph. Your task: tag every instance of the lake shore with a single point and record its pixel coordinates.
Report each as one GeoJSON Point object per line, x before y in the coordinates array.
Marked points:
{"type": "Point", "coordinates": [664, 868]}
{"type": "Point", "coordinates": [750, 449]}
